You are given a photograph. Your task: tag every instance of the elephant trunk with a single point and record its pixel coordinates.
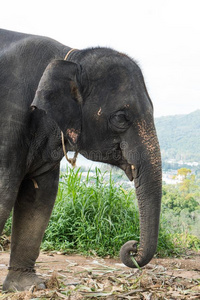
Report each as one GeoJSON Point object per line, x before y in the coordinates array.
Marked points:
{"type": "Point", "coordinates": [148, 184]}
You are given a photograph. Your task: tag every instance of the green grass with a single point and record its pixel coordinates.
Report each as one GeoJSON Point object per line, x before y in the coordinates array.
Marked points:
{"type": "Point", "coordinates": [92, 215]}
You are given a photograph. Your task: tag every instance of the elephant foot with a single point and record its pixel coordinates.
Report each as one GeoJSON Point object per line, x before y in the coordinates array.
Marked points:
{"type": "Point", "coordinates": [17, 280]}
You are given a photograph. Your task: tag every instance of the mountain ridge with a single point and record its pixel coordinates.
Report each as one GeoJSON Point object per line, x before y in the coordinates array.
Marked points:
{"type": "Point", "coordinates": [179, 136]}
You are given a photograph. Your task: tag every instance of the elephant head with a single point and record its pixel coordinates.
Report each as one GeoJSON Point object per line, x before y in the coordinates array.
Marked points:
{"type": "Point", "coordinates": [100, 102]}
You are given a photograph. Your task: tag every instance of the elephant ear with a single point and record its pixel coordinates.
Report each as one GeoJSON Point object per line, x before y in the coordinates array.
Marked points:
{"type": "Point", "coordinates": [58, 94]}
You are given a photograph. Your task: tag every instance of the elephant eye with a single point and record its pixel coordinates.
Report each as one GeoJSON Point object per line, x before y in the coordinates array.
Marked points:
{"type": "Point", "coordinates": [119, 121]}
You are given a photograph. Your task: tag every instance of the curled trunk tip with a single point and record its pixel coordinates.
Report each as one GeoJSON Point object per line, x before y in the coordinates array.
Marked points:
{"type": "Point", "coordinates": [129, 250]}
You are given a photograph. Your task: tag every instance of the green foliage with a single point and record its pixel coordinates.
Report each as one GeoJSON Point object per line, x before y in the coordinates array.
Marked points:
{"type": "Point", "coordinates": [188, 240]}
{"type": "Point", "coordinates": [184, 196]}
{"type": "Point", "coordinates": [179, 136]}
{"type": "Point", "coordinates": [91, 215]}
{"type": "Point", "coordinates": [181, 207]}
{"type": "Point", "coordinates": [94, 215]}
{"type": "Point", "coordinates": [183, 172]}
{"type": "Point", "coordinates": [175, 200]}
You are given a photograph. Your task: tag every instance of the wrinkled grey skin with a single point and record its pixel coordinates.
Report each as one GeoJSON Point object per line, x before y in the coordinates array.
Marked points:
{"type": "Point", "coordinates": [99, 100]}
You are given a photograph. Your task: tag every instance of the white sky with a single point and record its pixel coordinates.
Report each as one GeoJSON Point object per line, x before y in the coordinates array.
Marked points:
{"type": "Point", "coordinates": [162, 35]}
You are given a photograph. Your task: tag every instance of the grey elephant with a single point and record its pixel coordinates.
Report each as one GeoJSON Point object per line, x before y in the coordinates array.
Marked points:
{"type": "Point", "coordinates": [93, 102]}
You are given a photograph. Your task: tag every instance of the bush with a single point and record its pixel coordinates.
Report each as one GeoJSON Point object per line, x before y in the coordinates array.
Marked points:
{"type": "Point", "coordinates": [91, 215]}
{"type": "Point", "coordinates": [186, 240]}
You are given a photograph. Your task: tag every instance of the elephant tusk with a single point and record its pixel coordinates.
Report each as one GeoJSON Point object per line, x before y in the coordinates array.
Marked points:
{"type": "Point", "coordinates": [132, 170]}
{"type": "Point", "coordinates": [35, 183]}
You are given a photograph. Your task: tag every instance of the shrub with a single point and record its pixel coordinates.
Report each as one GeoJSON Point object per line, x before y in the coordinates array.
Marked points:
{"type": "Point", "coordinates": [92, 215]}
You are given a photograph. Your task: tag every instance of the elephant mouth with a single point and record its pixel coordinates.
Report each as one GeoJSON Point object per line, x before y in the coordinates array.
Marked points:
{"type": "Point", "coordinates": [129, 170]}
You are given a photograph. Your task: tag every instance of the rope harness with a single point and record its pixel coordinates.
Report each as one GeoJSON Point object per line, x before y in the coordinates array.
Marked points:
{"type": "Point", "coordinates": [68, 53]}
{"type": "Point", "coordinates": [72, 161]}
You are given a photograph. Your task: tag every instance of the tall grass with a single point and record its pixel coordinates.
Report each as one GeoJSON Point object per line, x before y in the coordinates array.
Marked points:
{"type": "Point", "coordinates": [91, 215]}
{"type": "Point", "coordinates": [94, 215]}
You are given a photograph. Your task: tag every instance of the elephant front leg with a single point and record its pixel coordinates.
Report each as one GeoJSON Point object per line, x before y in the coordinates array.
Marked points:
{"type": "Point", "coordinates": [31, 215]}
{"type": "Point", "coordinates": [8, 195]}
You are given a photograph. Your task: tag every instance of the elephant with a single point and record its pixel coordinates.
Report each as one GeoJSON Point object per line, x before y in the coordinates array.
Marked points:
{"type": "Point", "coordinates": [55, 99]}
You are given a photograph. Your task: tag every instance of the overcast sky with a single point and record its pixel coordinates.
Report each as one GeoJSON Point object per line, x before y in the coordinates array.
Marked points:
{"type": "Point", "coordinates": [162, 35]}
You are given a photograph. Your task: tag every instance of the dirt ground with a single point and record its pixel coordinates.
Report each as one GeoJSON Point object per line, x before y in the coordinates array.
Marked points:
{"type": "Point", "coordinates": [79, 277]}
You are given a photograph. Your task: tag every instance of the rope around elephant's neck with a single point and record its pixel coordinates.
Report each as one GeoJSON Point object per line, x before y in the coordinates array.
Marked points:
{"type": "Point", "coordinates": [68, 53]}
{"type": "Point", "coordinates": [72, 161]}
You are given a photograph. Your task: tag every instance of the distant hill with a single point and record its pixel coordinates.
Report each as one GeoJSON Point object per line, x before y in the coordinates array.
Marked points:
{"type": "Point", "coordinates": [179, 136]}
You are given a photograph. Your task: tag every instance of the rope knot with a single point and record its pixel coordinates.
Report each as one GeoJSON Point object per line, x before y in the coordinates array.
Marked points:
{"type": "Point", "coordinates": [72, 161]}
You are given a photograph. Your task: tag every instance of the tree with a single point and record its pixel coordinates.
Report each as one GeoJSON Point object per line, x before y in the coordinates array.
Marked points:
{"type": "Point", "coordinates": [183, 172]}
